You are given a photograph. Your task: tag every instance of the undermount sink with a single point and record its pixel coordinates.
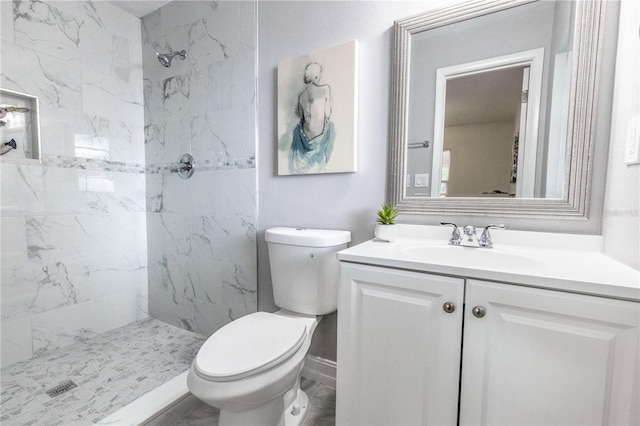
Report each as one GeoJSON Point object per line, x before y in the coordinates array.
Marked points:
{"type": "Point", "coordinates": [469, 256]}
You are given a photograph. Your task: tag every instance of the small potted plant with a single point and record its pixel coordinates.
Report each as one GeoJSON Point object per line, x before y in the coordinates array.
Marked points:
{"type": "Point", "coordinates": [385, 229]}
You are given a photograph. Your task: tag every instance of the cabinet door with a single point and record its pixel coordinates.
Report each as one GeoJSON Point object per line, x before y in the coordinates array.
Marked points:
{"type": "Point", "coordinates": [398, 349]}
{"type": "Point", "coordinates": [541, 357]}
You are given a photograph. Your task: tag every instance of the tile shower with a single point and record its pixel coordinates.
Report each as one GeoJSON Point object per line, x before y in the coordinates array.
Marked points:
{"type": "Point", "coordinates": [201, 231]}
{"type": "Point", "coordinates": [101, 232]}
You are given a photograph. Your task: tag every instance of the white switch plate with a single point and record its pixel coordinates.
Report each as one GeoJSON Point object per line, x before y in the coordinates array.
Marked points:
{"type": "Point", "coordinates": [421, 180]}
{"type": "Point", "coordinates": [632, 145]}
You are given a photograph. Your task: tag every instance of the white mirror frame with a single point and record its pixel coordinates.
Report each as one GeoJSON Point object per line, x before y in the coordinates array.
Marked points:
{"type": "Point", "coordinates": [580, 134]}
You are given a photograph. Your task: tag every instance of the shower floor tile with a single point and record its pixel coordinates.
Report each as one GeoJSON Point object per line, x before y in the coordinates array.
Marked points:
{"type": "Point", "coordinates": [110, 371]}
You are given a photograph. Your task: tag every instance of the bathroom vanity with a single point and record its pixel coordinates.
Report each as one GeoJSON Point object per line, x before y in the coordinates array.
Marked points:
{"type": "Point", "coordinates": [541, 329]}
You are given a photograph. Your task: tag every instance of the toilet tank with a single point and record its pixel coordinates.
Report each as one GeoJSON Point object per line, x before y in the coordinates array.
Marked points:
{"type": "Point", "coordinates": [305, 269]}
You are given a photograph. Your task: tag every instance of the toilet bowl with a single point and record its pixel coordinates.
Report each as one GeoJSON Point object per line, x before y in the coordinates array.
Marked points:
{"type": "Point", "coordinates": [240, 379]}
{"type": "Point", "coordinates": [250, 368]}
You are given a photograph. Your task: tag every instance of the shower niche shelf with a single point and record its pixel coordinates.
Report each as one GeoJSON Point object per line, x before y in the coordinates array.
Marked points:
{"type": "Point", "coordinates": [19, 126]}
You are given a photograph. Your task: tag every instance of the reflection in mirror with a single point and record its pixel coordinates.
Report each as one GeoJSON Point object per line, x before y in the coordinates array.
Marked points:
{"type": "Point", "coordinates": [482, 134]}
{"type": "Point", "coordinates": [500, 87]}
{"type": "Point", "coordinates": [478, 54]}
{"type": "Point", "coordinates": [482, 110]}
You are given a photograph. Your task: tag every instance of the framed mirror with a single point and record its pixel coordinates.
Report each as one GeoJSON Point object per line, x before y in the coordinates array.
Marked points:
{"type": "Point", "coordinates": [493, 108]}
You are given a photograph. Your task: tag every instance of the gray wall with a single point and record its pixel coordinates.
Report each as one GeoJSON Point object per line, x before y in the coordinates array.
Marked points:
{"type": "Point", "coordinates": [337, 201]}
{"type": "Point", "coordinates": [621, 221]}
{"type": "Point", "coordinates": [348, 201]}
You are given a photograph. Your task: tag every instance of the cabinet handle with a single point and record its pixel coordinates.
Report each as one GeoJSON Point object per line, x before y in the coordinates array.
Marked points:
{"type": "Point", "coordinates": [449, 307]}
{"type": "Point", "coordinates": [478, 311]}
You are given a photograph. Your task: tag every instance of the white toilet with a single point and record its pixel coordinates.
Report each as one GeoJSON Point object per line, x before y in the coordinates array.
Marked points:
{"type": "Point", "coordinates": [250, 368]}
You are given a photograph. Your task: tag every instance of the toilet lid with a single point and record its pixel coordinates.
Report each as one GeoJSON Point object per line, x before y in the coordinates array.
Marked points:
{"type": "Point", "coordinates": [249, 345]}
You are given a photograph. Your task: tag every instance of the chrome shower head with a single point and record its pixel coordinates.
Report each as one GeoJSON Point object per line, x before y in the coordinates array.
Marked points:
{"type": "Point", "coordinates": [166, 58]}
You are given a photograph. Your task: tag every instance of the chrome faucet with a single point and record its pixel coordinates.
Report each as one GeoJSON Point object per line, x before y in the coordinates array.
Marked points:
{"type": "Point", "coordinates": [485, 238]}
{"type": "Point", "coordinates": [470, 236]}
{"type": "Point", "coordinates": [455, 235]}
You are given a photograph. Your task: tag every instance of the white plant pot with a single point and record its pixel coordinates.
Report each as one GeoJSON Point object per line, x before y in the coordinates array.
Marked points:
{"type": "Point", "coordinates": [385, 232]}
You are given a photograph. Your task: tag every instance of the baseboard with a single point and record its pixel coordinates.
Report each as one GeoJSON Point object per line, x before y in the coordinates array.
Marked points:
{"type": "Point", "coordinates": [320, 370]}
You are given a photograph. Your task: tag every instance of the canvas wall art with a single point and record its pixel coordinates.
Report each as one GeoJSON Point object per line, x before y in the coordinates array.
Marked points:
{"type": "Point", "coordinates": [317, 96]}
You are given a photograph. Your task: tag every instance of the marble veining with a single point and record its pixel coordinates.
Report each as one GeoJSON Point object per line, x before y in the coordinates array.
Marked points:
{"type": "Point", "coordinates": [100, 231]}
{"type": "Point", "coordinates": [202, 235]}
{"type": "Point", "coordinates": [111, 370]}
{"type": "Point", "coordinates": [73, 253]}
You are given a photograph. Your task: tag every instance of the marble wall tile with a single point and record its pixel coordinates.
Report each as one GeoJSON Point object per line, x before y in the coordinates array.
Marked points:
{"type": "Point", "coordinates": [77, 57]}
{"type": "Point", "coordinates": [171, 273]}
{"type": "Point", "coordinates": [243, 89]}
{"type": "Point", "coordinates": [45, 287]}
{"type": "Point", "coordinates": [142, 299]}
{"type": "Point", "coordinates": [210, 317]}
{"type": "Point", "coordinates": [155, 125]}
{"type": "Point", "coordinates": [208, 140]}
{"type": "Point", "coordinates": [155, 192]}
{"type": "Point", "coordinates": [16, 341]}
{"type": "Point", "coordinates": [220, 85]}
{"type": "Point", "coordinates": [171, 233]}
{"type": "Point", "coordinates": [49, 27]}
{"type": "Point", "coordinates": [61, 327]}
{"type": "Point", "coordinates": [204, 48]}
{"type": "Point", "coordinates": [239, 294]}
{"type": "Point", "coordinates": [100, 101]}
{"type": "Point", "coordinates": [56, 83]}
{"type": "Point", "coordinates": [36, 189]}
{"type": "Point", "coordinates": [174, 15]}
{"type": "Point", "coordinates": [231, 239]}
{"type": "Point", "coordinates": [104, 138]}
{"type": "Point", "coordinates": [115, 192]}
{"type": "Point", "coordinates": [195, 195]}
{"type": "Point", "coordinates": [204, 105]}
{"type": "Point", "coordinates": [92, 239]}
{"type": "Point", "coordinates": [226, 134]}
{"type": "Point", "coordinates": [13, 242]}
{"type": "Point", "coordinates": [236, 194]}
{"type": "Point", "coordinates": [104, 282]}
{"type": "Point", "coordinates": [6, 21]}
{"type": "Point", "coordinates": [208, 278]}
{"type": "Point", "coordinates": [151, 31]}
{"type": "Point", "coordinates": [201, 317]}
{"type": "Point", "coordinates": [112, 20]}
{"type": "Point", "coordinates": [74, 249]}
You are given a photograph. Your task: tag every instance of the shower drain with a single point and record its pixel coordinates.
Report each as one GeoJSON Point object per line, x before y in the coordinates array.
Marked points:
{"type": "Point", "coordinates": [61, 388]}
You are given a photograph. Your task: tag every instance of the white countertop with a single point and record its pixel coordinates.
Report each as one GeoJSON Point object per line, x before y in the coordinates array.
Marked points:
{"type": "Point", "coordinates": [565, 262]}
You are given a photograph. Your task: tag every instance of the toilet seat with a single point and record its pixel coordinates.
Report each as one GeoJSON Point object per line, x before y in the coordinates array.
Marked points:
{"type": "Point", "coordinates": [248, 346]}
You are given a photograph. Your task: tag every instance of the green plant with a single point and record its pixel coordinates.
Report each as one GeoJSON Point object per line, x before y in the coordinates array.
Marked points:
{"type": "Point", "coordinates": [387, 214]}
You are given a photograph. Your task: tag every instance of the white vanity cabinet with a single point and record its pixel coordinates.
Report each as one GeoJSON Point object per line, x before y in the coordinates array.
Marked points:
{"type": "Point", "coordinates": [529, 355]}
{"type": "Point", "coordinates": [399, 339]}
{"type": "Point", "coordinates": [542, 357]}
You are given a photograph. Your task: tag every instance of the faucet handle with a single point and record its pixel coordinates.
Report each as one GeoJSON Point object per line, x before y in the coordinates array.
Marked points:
{"type": "Point", "coordinates": [485, 238]}
{"type": "Point", "coordinates": [455, 235]}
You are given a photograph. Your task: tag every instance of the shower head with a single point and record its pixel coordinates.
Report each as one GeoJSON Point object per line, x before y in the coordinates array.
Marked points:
{"type": "Point", "coordinates": [166, 58]}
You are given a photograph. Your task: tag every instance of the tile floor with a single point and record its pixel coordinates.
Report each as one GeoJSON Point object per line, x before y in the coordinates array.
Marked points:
{"type": "Point", "coordinates": [322, 403]}
{"type": "Point", "coordinates": [112, 370]}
